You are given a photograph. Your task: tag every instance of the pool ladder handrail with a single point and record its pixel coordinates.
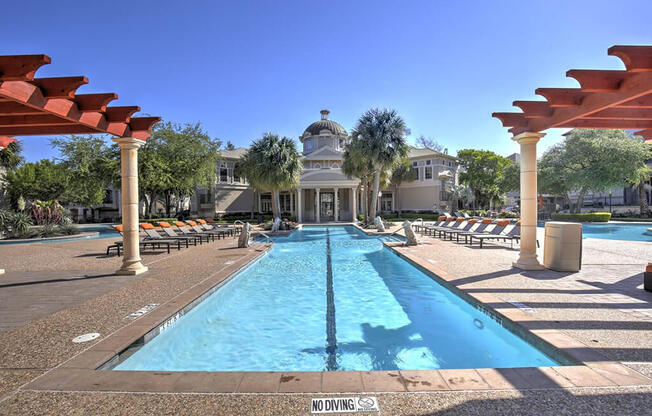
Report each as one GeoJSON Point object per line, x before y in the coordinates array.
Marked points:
{"type": "Point", "coordinates": [269, 239]}
{"type": "Point", "coordinates": [236, 222]}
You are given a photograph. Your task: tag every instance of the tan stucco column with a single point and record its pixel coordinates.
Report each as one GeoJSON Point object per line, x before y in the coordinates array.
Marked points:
{"type": "Point", "coordinates": [300, 205]}
{"type": "Point", "coordinates": [131, 262]}
{"type": "Point", "coordinates": [528, 257]}
{"type": "Point", "coordinates": [318, 207]}
{"type": "Point", "coordinates": [354, 204]}
{"type": "Point", "coordinates": [337, 204]}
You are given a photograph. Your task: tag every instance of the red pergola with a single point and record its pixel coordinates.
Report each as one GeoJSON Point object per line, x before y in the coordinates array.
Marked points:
{"type": "Point", "coordinates": [47, 106]}
{"type": "Point", "coordinates": [50, 106]}
{"type": "Point", "coordinates": [606, 99]}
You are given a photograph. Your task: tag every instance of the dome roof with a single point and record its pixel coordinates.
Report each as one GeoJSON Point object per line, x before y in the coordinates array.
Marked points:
{"type": "Point", "coordinates": [325, 124]}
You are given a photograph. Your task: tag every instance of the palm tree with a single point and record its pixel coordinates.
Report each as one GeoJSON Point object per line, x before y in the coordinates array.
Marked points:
{"type": "Point", "coordinates": [402, 172]}
{"type": "Point", "coordinates": [382, 133]}
{"type": "Point", "coordinates": [357, 165]}
{"type": "Point", "coordinates": [10, 156]}
{"type": "Point", "coordinates": [272, 164]}
{"type": "Point", "coordinates": [640, 181]}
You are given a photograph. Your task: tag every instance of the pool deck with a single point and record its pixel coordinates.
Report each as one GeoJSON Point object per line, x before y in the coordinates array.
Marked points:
{"type": "Point", "coordinates": [601, 316]}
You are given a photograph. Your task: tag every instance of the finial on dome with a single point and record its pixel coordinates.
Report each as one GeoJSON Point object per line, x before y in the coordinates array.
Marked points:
{"type": "Point", "coordinates": [324, 114]}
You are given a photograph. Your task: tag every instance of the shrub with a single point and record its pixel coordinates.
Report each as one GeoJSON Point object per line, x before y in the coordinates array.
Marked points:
{"type": "Point", "coordinates": [47, 212]}
{"type": "Point", "coordinates": [587, 217]}
{"type": "Point", "coordinates": [15, 224]}
{"type": "Point", "coordinates": [48, 230]}
{"type": "Point", "coordinates": [67, 229]}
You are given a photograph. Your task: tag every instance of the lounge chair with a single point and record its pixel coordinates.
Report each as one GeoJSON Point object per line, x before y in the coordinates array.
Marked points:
{"type": "Point", "coordinates": [183, 227]}
{"type": "Point", "coordinates": [117, 245]}
{"type": "Point", "coordinates": [152, 234]}
{"type": "Point", "coordinates": [467, 227]}
{"type": "Point", "coordinates": [420, 228]}
{"type": "Point", "coordinates": [515, 233]}
{"type": "Point", "coordinates": [479, 229]}
{"type": "Point", "coordinates": [426, 229]}
{"type": "Point", "coordinates": [167, 229]}
{"type": "Point", "coordinates": [195, 227]}
{"type": "Point", "coordinates": [204, 225]}
{"type": "Point", "coordinates": [450, 223]}
{"type": "Point", "coordinates": [494, 234]}
{"type": "Point", "coordinates": [466, 215]}
{"type": "Point", "coordinates": [454, 227]}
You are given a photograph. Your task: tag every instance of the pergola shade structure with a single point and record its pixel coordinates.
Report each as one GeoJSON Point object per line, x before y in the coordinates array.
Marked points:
{"type": "Point", "coordinates": [50, 106]}
{"type": "Point", "coordinates": [606, 99]}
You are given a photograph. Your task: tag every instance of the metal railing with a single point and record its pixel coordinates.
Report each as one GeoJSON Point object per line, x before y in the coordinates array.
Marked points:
{"type": "Point", "coordinates": [269, 239]}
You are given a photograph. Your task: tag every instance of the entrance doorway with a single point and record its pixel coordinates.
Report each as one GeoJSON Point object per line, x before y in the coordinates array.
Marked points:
{"type": "Point", "coordinates": [327, 206]}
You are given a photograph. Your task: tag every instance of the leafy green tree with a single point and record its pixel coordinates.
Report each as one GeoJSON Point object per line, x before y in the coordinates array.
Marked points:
{"type": "Point", "coordinates": [272, 164]}
{"type": "Point", "coordinates": [90, 166]}
{"type": "Point", "coordinates": [401, 173]}
{"type": "Point", "coordinates": [592, 160]}
{"type": "Point", "coordinates": [382, 134]}
{"type": "Point", "coordinates": [229, 146]}
{"type": "Point", "coordinates": [483, 171]}
{"type": "Point", "coordinates": [44, 180]}
{"type": "Point", "coordinates": [174, 161]}
{"type": "Point", "coordinates": [511, 178]}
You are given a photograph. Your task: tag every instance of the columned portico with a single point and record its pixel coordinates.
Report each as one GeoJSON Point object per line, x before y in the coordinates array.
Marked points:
{"type": "Point", "coordinates": [300, 205]}
{"type": "Point", "coordinates": [317, 205]}
{"type": "Point", "coordinates": [131, 262]}
{"type": "Point", "coordinates": [528, 256]}
{"type": "Point", "coordinates": [354, 204]}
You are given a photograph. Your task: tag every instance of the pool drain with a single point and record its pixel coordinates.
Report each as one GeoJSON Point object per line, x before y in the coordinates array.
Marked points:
{"type": "Point", "coordinates": [86, 337]}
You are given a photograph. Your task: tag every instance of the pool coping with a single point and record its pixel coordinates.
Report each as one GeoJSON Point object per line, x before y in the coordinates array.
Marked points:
{"type": "Point", "coordinates": [83, 372]}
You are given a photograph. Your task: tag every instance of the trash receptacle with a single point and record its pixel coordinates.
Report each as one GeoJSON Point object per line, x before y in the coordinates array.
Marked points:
{"type": "Point", "coordinates": [562, 250]}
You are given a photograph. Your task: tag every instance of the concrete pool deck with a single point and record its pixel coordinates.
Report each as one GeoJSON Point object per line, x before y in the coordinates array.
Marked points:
{"type": "Point", "coordinates": [601, 311]}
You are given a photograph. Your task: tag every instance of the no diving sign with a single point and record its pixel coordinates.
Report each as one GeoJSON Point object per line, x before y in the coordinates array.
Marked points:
{"type": "Point", "coordinates": [344, 404]}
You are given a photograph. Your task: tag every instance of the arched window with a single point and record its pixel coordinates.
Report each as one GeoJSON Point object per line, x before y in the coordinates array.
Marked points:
{"type": "Point", "coordinates": [335, 166]}
{"type": "Point", "coordinates": [308, 144]}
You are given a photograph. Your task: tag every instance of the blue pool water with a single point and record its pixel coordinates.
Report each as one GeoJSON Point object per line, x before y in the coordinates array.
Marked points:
{"type": "Point", "coordinates": [332, 298]}
{"type": "Point", "coordinates": [103, 230]}
{"type": "Point", "coordinates": [619, 231]}
{"type": "Point", "coordinates": [615, 231]}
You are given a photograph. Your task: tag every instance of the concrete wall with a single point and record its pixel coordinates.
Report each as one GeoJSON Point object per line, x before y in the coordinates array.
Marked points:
{"type": "Point", "coordinates": [233, 200]}
{"type": "Point", "coordinates": [420, 198]}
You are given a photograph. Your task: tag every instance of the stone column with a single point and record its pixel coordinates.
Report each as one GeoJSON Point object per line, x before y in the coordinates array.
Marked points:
{"type": "Point", "coordinates": [528, 256]}
{"type": "Point", "coordinates": [354, 204]}
{"type": "Point", "coordinates": [293, 206]}
{"type": "Point", "coordinates": [131, 262]}
{"type": "Point", "coordinates": [337, 204]}
{"type": "Point", "coordinates": [318, 207]}
{"type": "Point", "coordinates": [299, 205]}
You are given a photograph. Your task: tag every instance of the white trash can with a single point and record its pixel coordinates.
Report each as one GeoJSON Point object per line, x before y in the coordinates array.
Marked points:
{"type": "Point", "coordinates": [562, 250]}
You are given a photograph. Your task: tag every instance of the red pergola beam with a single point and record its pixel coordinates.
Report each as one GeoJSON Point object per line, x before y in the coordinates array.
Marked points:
{"type": "Point", "coordinates": [624, 113]}
{"type": "Point", "coordinates": [94, 102]}
{"type": "Point", "coordinates": [597, 80]}
{"type": "Point", "coordinates": [635, 58]}
{"type": "Point", "coordinates": [591, 123]}
{"type": "Point", "coordinates": [534, 109]}
{"type": "Point", "coordinates": [120, 114]}
{"type": "Point", "coordinates": [31, 106]}
{"type": "Point", "coordinates": [21, 67]}
{"type": "Point", "coordinates": [562, 97]}
{"type": "Point", "coordinates": [61, 87]}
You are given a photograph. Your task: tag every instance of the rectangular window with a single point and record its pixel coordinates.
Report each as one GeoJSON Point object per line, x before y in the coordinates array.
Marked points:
{"type": "Point", "coordinates": [428, 172]}
{"type": "Point", "coordinates": [416, 173]}
{"type": "Point", "coordinates": [427, 162]}
{"type": "Point", "coordinates": [308, 144]}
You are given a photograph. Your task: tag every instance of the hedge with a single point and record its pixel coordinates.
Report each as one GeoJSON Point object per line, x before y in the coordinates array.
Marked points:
{"type": "Point", "coordinates": [156, 220]}
{"type": "Point", "coordinates": [587, 217]}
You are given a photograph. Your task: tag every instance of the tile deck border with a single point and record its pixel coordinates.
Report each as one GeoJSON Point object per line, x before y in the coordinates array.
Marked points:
{"type": "Point", "coordinates": [85, 371]}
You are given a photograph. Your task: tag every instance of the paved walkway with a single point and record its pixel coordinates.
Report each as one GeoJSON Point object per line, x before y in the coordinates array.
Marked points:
{"type": "Point", "coordinates": [603, 306]}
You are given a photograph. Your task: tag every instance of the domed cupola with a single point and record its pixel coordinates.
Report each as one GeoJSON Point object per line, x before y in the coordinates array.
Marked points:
{"type": "Point", "coordinates": [324, 124]}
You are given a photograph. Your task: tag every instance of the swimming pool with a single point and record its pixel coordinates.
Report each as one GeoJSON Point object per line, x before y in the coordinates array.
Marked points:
{"type": "Point", "coordinates": [332, 299]}
{"type": "Point", "coordinates": [617, 231]}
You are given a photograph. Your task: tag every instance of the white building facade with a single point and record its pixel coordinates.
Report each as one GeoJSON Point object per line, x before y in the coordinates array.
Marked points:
{"type": "Point", "coordinates": [324, 192]}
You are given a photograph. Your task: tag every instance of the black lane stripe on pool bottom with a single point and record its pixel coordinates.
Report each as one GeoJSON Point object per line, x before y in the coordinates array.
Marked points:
{"type": "Point", "coordinates": [331, 339]}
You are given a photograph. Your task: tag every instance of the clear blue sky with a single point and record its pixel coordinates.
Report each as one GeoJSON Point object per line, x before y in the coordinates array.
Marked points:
{"type": "Point", "coordinates": [244, 67]}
